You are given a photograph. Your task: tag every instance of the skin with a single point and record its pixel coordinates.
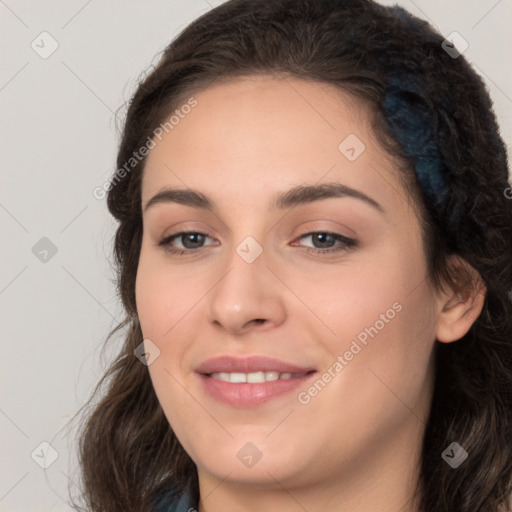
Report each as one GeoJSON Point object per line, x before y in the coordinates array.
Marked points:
{"type": "Point", "coordinates": [354, 446]}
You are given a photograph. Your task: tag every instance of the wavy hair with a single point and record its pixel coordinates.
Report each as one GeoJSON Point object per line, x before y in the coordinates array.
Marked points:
{"type": "Point", "coordinates": [129, 456]}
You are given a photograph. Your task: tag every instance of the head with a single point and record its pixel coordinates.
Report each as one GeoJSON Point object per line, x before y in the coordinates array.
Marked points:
{"type": "Point", "coordinates": [353, 223]}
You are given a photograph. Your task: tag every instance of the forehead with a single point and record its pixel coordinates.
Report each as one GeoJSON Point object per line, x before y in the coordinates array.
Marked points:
{"type": "Point", "coordinates": [258, 133]}
{"type": "Point", "coordinates": [287, 110]}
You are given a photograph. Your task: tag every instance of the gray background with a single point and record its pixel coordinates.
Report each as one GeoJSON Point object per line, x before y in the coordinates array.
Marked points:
{"type": "Point", "coordinates": [58, 137]}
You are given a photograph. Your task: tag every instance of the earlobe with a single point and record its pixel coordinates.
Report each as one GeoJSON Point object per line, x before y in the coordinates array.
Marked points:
{"type": "Point", "coordinates": [459, 310]}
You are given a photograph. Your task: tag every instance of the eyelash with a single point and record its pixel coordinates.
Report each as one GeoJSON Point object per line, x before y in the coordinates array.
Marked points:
{"type": "Point", "coordinates": [347, 243]}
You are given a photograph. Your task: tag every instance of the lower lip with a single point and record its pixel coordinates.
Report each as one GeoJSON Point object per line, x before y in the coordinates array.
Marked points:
{"type": "Point", "coordinates": [246, 394]}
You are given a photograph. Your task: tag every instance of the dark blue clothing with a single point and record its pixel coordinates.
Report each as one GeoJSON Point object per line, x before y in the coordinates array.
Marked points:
{"type": "Point", "coordinates": [173, 503]}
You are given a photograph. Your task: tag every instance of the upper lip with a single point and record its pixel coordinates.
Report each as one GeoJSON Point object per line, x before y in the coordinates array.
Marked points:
{"type": "Point", "coordinates": [229, 364]}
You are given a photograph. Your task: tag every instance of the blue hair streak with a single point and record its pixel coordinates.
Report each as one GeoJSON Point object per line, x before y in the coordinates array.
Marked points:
{"type": "Point", "coordinates": [414, 127]}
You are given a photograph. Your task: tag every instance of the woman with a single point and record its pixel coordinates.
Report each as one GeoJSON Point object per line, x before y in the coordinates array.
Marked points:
{"type": "Point", "coordinates": [315, 258]}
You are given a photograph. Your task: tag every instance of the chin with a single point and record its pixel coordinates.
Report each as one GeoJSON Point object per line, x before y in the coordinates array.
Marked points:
{"type": "Point", "coordinates": [255, 461]}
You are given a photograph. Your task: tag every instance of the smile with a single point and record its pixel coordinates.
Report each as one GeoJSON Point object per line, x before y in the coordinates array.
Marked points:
{"type": "Point", "coordinates": [254, 377]}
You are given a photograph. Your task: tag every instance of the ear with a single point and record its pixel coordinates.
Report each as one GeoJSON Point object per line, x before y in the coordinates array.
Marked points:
{"type": "Point", "coordinates": [458, 310]}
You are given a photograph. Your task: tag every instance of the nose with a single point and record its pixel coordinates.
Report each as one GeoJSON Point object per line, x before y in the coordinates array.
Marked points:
{"type": "Point", "coordinates": [247, 296]}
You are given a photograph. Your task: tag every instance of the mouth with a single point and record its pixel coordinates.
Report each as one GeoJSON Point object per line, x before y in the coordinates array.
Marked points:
{"type": "Point", "coordinates": [250, 381]}
{"type": "Point", "coordinates": [255, 377]}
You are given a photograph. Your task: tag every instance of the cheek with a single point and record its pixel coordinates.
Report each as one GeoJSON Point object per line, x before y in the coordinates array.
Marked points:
{"type": "Point", "coordinates": [392, 369]}
{"type": "Point", "coordinates": [164, 305]}
{"type": "Point", "coordinates": [163, 295]}
{"type": "Point", "coordinates": [386, 372]}
{"type": "Point", "coordinates": [382, 316]}
{"type": "Point", "coordinates": [152, 303]}
{"type": "Point", "coordinates": [354, 298]}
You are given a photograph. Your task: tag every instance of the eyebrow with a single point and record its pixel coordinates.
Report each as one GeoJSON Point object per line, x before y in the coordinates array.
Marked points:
{"type": "Point", "coordinates": [300, 195]}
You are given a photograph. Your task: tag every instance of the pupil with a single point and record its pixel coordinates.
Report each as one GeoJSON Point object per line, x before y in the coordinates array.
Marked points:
{"type": "Point", "coordinates": [322, 237]}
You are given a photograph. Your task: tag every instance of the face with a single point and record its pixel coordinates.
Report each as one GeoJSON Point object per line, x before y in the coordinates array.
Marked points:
{"type": "Point", "coordinates": [271, 280]}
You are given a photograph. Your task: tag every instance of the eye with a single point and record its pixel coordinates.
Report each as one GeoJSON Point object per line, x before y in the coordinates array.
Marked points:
{"type": "Point", "coordinates": [323, 242]}
{"type": "Point", "coordinates": [191, 242]}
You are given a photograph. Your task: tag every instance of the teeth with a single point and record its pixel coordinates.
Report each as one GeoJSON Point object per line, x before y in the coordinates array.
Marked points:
{"type": "Point", "coordinates": [237, 377]}
{"type": "Point", "coordinates": [254, 377]}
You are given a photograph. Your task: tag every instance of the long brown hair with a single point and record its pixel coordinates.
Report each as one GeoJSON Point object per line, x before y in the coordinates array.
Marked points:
{"type": "Point", "coordinates": [129, 456]}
